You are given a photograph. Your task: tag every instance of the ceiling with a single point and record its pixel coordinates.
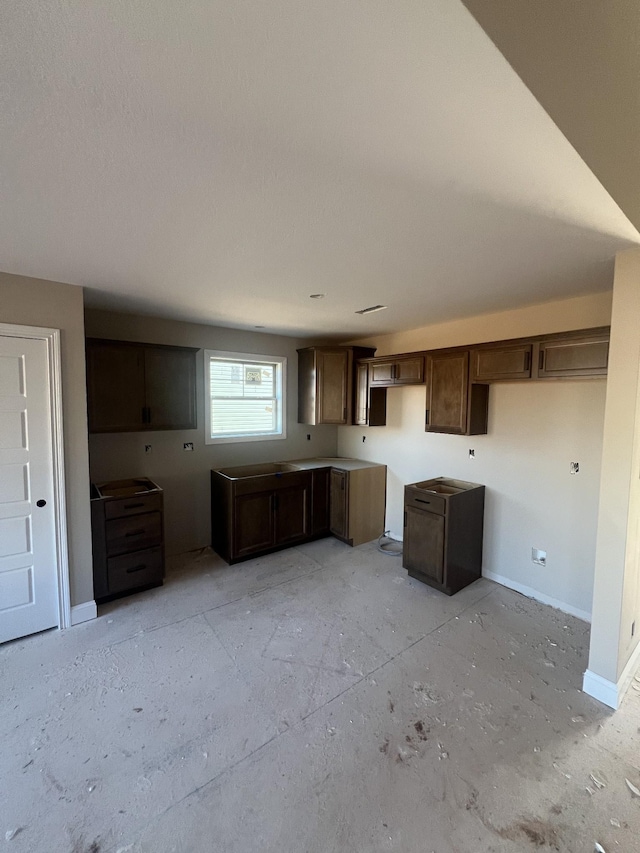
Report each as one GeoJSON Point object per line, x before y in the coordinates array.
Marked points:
{"type": "Point", "coordinates": [219, 162]}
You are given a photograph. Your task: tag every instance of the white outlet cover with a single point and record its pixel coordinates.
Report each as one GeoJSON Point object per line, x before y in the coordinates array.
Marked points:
{"type": "Point", "coordinates": [538, 556]}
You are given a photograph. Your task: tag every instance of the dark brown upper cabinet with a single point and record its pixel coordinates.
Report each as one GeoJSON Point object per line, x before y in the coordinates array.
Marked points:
{"type": "Point", "coordinates": [584, 355]}
{"type": "Point", "coordinates": [370, 407]}
{"type": "Point", "coordinates": [135, 387]}
{"type": "Point", "coordinates": [326, 383]}
{"type": "Point", "coordinates": [454, 404]}
{"type": "Point", "coordinates": [494, 364]}
{"type": "Point", "coordinates": [386, 372]}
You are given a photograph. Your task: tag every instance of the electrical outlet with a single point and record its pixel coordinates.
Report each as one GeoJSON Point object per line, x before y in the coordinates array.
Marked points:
{"type": "Point", "coordinates": [472, 453]}
{"type": "Point", "coordinates": [308, 436]}
{"type": "Point", "coordinates": [188, 445]}
{"type": "Point", "coordinates": [147, 449]}
{"type": "Point", "coordinates": [574, 467]}
{"type": "Point", "coordinates": [538, 556]}
{"type": "Point", "coordinates": [364, 438]}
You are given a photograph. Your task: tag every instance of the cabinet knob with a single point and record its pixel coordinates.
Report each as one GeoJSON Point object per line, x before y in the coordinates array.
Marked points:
{"type": "Point", "coordinates": [41, 502]}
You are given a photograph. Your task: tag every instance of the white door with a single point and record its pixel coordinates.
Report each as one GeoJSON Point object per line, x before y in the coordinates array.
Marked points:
{"type": "Point", "coordinates": [28, 556]}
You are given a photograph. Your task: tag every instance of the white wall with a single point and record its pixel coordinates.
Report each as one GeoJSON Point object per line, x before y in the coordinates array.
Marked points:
{"type": "Point", "coordinates": [185, 476]}
{"type": "Point", "coordinates": [616, 603]}
{"type": "Point", "coordinates": [535, 430]}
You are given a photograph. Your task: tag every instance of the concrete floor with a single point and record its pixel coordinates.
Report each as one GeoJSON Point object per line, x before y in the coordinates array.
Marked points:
{"type": "Point", "coordinates": [313, 701]}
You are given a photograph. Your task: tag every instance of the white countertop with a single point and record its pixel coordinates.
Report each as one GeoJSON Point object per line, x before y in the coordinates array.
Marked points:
{"type": "Point", "coordinates": [342, 462]}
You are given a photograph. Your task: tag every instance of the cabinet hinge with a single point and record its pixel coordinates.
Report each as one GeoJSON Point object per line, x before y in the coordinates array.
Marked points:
{"type": "Point", "coordinates": [426, 417]}
{"type": "Point", "coordinates": [541, 360]}
{"type": "Point", "coordinates": [405, 519]}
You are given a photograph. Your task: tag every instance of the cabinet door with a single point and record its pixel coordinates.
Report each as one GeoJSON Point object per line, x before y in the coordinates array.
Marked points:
{"type": "Point", "coordinates": [381, 373]}
{"type": "Point", "coordinates": [361, 411]}
{"type": "Point", "coordinates": [496, 363]}
{"type": "Point", "coordinates": [292, 514]}
{"type": "Point", "coordinates": [253, 527]}
{"type": "Point", "coordinates": [588, 356]}
{"type": "Point", "coordinates": [423, 546]}
{"type": "Point", "coordinates": [409, 371]}
{"type": "Point", "coordinates": [170, 385]}
{"type": "Point", "coordinates": [115, 386]}
{"type": "Point", "coordinates": [339, 503]}
{"type": "Point", "coordinates": [320, 494]}
{"type": "Point", "coordinates": [332, 368]}
{"type": "Point", "coordinates": [447, 390]}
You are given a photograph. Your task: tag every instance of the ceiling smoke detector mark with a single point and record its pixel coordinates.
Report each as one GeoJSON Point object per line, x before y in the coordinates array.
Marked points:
{"type": "Point", "coordinates": [539, 557]}
{"type": "Point", "coordinates": [372, 309]}
{"type": "Point", "coordinates": [188, 445]}
{"type": "Point", "coordinates": [574, 467]}
{"type": "Point", "coordinates": [472, 453]}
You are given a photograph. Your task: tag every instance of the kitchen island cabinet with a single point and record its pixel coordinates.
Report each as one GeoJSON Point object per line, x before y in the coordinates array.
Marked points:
{"type": "Point", "coordinates": [443, 523]}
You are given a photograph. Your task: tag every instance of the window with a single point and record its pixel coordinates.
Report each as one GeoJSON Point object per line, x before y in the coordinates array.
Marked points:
{"type": "Point", "coordinates": [245, 397]}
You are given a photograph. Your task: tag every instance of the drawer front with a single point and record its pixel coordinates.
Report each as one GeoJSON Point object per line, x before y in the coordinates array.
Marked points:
{"type": "Point", "coordinates": [137, 569]}
{"type": "Point", "coordinates": [133, 534]}
{"type": "Point", "coordinates": [423, 500]}
{"type": "Point", "coordinates": [136, 505]}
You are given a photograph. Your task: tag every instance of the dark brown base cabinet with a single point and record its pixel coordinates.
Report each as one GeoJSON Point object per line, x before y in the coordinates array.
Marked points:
{"type": "Point", "coordinates": [256, 515]}
{"type": "Point", "coordinates": [127, 537]}
{"type": "Point", "coordinates": [443, 522]}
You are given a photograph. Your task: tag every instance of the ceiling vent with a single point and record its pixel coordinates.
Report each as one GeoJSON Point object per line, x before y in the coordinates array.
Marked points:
{"type": "Point", "coordinates": [372, 309]}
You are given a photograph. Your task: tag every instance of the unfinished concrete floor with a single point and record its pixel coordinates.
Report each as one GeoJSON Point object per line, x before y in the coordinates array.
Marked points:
{"type": "Point", "coordinates": [316, 700]}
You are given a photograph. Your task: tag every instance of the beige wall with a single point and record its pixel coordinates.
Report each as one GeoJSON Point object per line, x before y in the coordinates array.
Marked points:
{"type": "Point", "coordinates": [616, 602]}
{"type": "Point", "coordinates": [33, 302]}
{"type": "Point", "coordinates": [185, 476]}
{"type": "Point", "coordinates": [581, 60]}
{"type": "Point", "coordinates": [535, 430]}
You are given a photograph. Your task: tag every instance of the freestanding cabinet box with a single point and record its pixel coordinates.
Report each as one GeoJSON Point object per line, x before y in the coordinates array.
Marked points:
{"type": "Point", "coordinates": [443, 521]}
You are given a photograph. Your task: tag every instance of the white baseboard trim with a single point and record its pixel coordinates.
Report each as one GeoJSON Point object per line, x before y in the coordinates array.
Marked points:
{"type": "Point", "coordinates": [83, 612]}
{"type": "Point", "coordinates": [608, 692]}
{"type": "Point", "coordinates": [538, 596]}
{"type": "Point", "coordinates": [601, 689]}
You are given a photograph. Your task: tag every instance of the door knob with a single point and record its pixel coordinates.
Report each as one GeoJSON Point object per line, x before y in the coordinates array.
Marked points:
{"type": "Point", "coordinates": [41, 503]}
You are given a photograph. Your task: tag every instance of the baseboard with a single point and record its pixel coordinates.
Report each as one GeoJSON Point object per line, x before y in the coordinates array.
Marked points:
{"type": "Point", "coordinates": [538, 596]}
{"type": "Point", "coordinates": [601, 689]}
{"type": "Point", "coordinates": [83, 612]}
{"type": "Point", "coordinates": [608, 692]}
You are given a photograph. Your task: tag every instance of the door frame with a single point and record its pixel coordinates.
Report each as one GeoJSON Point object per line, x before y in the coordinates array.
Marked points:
{"type": "Point", "coordinates": [52, 339]}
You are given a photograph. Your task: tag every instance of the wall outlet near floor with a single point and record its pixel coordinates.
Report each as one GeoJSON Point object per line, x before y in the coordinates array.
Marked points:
{"type": "Point", "coordinates": [147, 449]}
{"type": "Point", "coordinates": [574, 467]}
{"type": "Point", "coordinates": [472, 453]}
{"type": "Point", "coordinates": [188, 445]}
{"type": "Point", "coordinates": [538, 556]}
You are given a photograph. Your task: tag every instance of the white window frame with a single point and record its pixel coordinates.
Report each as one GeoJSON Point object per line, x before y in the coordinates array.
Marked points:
{"type": "Point", "coordinates": [281, 395]}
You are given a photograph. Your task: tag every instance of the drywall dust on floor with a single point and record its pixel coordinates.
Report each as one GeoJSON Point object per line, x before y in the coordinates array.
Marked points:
{"type": "Point", "coordinates": [313, 700]}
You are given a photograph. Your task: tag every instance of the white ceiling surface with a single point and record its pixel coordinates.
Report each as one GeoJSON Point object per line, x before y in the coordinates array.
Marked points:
{"type": "Point", "coordinates": [218, 161]}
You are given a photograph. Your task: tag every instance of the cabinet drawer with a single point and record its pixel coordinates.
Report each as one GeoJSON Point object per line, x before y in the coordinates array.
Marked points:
{"type": "Point", "coordinates": [137, 569]}
{"type": "Point", "coordinates": [423, 500]}
{"type": "Point", "coordinates": [133, 506]}
{"type": "Point", "coordinates": [133, 534]}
